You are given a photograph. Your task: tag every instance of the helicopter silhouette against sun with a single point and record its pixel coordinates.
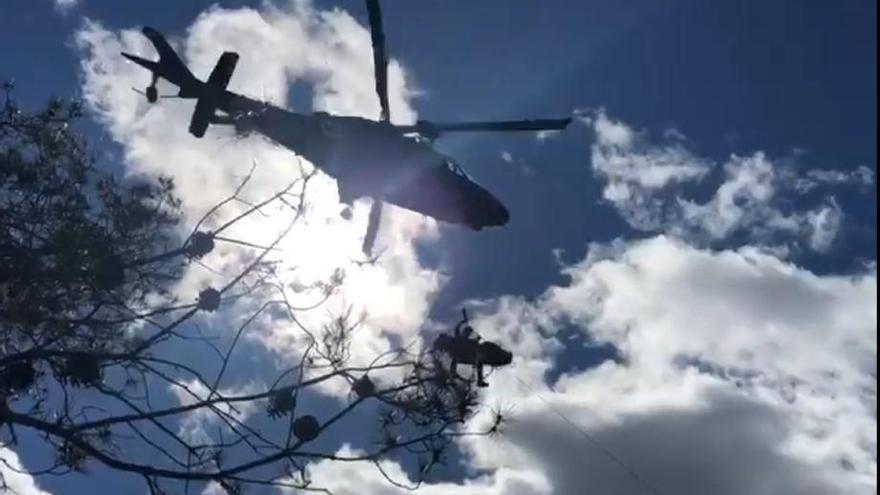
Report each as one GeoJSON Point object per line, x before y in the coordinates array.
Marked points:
{"type": "Point", "coordinates": [389, 163]}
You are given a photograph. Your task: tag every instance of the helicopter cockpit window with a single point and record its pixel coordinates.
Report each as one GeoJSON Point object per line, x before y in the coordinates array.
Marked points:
{"type": "Point", "coordinates": [457, 169]}
{"type": "Point", "coordinates": [417, 137]}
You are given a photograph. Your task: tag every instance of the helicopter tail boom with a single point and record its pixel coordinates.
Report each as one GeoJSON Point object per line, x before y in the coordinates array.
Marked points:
{"type": "Point", "coordinates": [169, 66]}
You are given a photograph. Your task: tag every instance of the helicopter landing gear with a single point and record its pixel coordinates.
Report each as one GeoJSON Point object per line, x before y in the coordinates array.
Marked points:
{"type": "Point", "coordinates": [346, 212]}
{"type": "Point", "coordinates": [346, 198]}
{"type": "Point", "coordinates": [152, 93]}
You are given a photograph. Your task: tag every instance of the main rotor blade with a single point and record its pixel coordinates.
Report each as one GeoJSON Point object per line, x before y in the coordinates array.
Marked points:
{"type": "Point", "coordinates": [380, 61]}
{"type": "Point", "coordinates": [435, 129]}
{"type": "Point", "coordinates": [505, 125]}
{"type": "Point", "coordinates": [372, 227]}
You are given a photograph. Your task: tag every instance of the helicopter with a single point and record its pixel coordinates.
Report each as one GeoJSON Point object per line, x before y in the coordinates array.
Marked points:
{"type": "Point", "coordinates": [389, 163]}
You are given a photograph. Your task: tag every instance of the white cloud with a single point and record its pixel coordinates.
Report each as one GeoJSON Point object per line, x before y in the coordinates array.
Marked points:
{"type": "Point", "coordinates": [14, 476]}
{"type": "Point", "coordinates": [214, 488]}
{"type": "Point", "coordinates": [633, 168]}
{"type": "Point", "coordinates": [861, 176]}
{"type": "Point", "coordinates": [65, 6]}
{"type": "Point", "coordinates": [731, 360]}
{"type": "Point", "coordinates": [749, 200]}
{"type": "Point", "coordinates": [643, 182]}
{"type": "Point", "coordinates": [742, 200]}
{"type": "Point", "coordinates": [825, 222]}
{"type": "Point", "coordinates": [542, 136]}
{"type": "Point", "coordinates": [354, 478]}
{"type": "Point", "coordinates": [195, 423]}
{"type": "Point", "coordinates": [740, 373]}
{"type": "Point", "coordinates": [636, 172]}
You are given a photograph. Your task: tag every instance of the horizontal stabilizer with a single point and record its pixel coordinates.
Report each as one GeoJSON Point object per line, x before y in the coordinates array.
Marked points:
{"type": "Point", "coordinates": [211, 93]}
{"type": "Point", "coordinates": [223, 70]}
{"type": "Point", "coordinates": [201, 118]}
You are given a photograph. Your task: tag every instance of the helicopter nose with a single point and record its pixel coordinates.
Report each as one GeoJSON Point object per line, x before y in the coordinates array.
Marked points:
{"type": "Point", "coordinates": [498, 213]}
{"type": "Point", "coordinates": [490, 212]}
{"type": "Point", "coordinates": [503, 214]}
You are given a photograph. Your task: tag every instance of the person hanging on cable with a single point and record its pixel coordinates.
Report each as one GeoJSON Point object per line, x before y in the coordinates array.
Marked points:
{"type": "Point", "coordinates": [464, 330]}
{"type": "Point", "coordinates": [466, 347]}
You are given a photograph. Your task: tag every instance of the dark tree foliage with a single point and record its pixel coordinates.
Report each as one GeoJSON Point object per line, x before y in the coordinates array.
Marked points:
{"type": "Point", "coordinates": [87, 315]}
{"type": "Point", "coordinates": [73, 249]}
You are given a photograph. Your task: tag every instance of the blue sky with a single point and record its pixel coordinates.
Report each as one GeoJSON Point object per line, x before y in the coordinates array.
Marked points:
{"type": "Point", "coordinates": [788, 87]}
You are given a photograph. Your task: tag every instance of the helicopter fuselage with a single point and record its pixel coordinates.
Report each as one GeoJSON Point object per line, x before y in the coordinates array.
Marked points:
{"type": "Point", "coordinates": [370, 158]}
